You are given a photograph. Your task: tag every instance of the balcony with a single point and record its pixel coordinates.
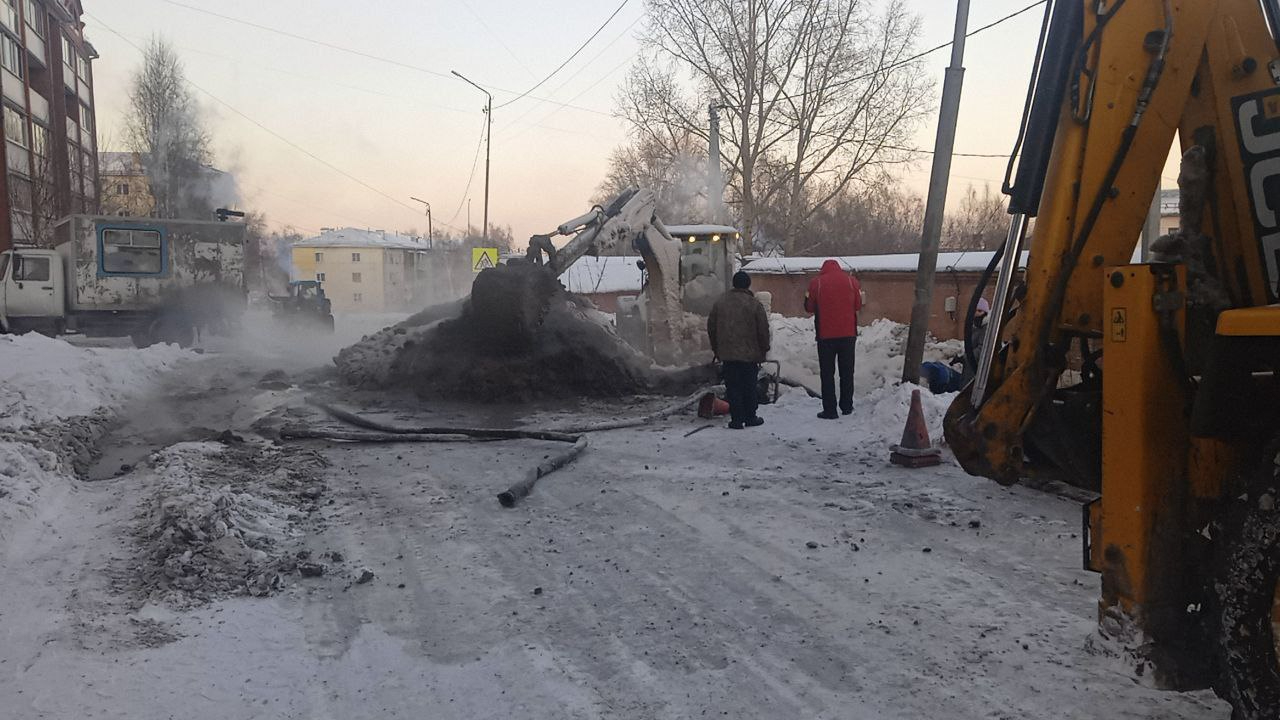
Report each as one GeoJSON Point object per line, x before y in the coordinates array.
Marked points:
{"type": "Point", "coordinates": [9, 17]}
{"type": "Point", "coordinates": [85, 92]}
{"type": "Point", "coordinates": [73, 131]}
{"type": "Point", "coordinates": [13, 87]}
{"type": "Point", "coordinates": [86, 138]}
{"type": "Point", "coordinates": [35, 45]}
{"type": "Point", "coordinates": [69, 78]}
{"type": "Point", "coordinates": [19, 159]}
{"type": "Point", "coordinates": [39, 107]}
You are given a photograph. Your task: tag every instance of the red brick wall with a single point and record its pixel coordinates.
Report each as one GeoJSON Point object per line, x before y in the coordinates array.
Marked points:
{"type": "Point", "coordinates": [608, 302]}
{"type": "Point", "coordinates": [889, 295]}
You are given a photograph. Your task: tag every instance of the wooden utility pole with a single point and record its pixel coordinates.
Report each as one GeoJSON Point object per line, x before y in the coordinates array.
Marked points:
{"type": "Point", "coordinates": [935, 209]}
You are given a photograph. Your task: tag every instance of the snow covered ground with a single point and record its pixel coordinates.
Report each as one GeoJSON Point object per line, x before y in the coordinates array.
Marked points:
{"type": "Point", "coordinates": [54, 400]}
{"type": "Point", "coordinates": [786, 571]}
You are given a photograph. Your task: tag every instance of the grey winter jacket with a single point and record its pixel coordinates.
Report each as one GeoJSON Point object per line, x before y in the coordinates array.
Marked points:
{"type": "Point", "coordinates": [739, 327]}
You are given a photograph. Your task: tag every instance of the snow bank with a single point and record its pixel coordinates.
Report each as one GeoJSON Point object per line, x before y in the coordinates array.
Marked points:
{"type": "Point", "coordinates": [878, 361]}
{"type": "Point", "coordinates": [54, 400]}
{"type": "Point", "coordinates": [46, 379]}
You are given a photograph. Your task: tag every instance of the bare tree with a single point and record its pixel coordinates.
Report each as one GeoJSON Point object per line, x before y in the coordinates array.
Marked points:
{"type": "Point", "coordinates": [676, 171]}
{"type": "Point", "coordinates": [816, 94]}
{"type": "Point", "coordinates": [878, 218]}
{"type": "Point", "coordinates": [166, 128]}
{"type": "Point", "coordinates": [978, 223]}
{"type": "Point", "coordinates": [34, 198]}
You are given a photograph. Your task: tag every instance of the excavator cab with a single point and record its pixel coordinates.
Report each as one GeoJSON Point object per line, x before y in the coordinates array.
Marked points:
{"type": "Point", "coordinates": [706, 263]}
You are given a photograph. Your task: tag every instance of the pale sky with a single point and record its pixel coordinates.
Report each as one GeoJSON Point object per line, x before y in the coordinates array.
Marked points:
{"type": "Point", "coordinates": [411, 132]}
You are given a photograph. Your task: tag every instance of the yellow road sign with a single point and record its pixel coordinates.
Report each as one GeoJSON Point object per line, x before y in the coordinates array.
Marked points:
{"type": "Point", "coordinates": [483, 259]}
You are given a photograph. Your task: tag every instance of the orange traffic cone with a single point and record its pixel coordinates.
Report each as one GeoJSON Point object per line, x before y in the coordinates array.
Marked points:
{"type": "Point", "coordinates": [710, 406]}
{"type": "Point", "coordinates": [915, 450]}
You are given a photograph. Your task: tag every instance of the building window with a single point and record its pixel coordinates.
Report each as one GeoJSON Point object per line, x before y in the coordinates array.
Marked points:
{"type": "Point", "coordinates": [355, 277]}
{"type": "Point", "coordinates": [319, 257]}
{"type": "Point", "coordinates": [35, 18]}
{"type": "Point", "coordinates": [68, 59]}
{"type": "Point", "coordinates": [319, 277]}
{"type": "Point", "coordinates": [132, 252]}
{"type": "Point", "coordinates": [122, 189]}
{"type": "Point", "coordinates": [40, 139]}
{"type": "Point", "coordinates": [11, 58]}
{"type": "Point", "coordinates": [82, 67]}
{"type": "Point", "coordinates": [357, 298]}
{"type": "Point", "coordinates": [355, 257]}
{"type": "Point", "coordinates": [15, 127]}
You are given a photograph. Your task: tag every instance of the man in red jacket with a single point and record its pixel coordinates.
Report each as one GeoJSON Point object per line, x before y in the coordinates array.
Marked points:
{"type": "Point", "coordinates": [835, 298]}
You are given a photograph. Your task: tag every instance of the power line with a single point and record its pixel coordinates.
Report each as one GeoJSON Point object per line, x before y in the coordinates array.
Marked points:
{"type": "Point", "coordinates": [474, 164]}
{"type": "Point", "coordinates": [908, 61]}
{"type": "Point", "coordinates": [581, 47]}
{"type": "Point", "coordinates": [494, 35]}
{"type": "Point", "coordinates": [266, 129]}
{"type": "Point", "coordinates": [584, 91]}
{"type": "Point", "coordinates": [576, 73]}
{"type": "Point", "coordinates": [361, 53]}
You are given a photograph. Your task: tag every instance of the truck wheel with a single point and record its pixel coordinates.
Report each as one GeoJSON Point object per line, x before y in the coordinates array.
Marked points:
{"type": "Point", "coordinates": [175, 329]}
{"type": "Point", "coordinates": [1248, 594]}
{"type": "Point", "coordinates": [328, 323]}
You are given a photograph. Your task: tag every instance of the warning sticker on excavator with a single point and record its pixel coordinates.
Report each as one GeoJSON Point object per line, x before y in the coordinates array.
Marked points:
{"type": "Point", "coordinates": [483, 259]}
{"type": "Point", "coordinates": [1119, 325]}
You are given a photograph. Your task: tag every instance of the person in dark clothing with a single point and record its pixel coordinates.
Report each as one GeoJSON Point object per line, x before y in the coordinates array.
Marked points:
{"type": "Point", "coordinates": [835, 299]}
{"type": "Point", "coordinates": [739, 330]}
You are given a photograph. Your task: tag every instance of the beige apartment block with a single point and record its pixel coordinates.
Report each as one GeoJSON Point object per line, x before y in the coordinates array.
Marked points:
{"type": "Point", "coordinates": [363, 271]}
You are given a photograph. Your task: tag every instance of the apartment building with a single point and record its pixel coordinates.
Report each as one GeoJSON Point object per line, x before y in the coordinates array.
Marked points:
{"type": "Point", "coordinates": [126, 191]}
{"type": "Point", "coordinates": [50, 147]}
{"type": "Point", "coordinates": [364, 271]}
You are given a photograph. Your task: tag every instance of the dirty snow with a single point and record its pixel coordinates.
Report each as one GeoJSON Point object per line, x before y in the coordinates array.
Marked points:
{"type": "Point", "coordinates": [48, 379]}
{"type": "Point", "coordinates": [54, 401]}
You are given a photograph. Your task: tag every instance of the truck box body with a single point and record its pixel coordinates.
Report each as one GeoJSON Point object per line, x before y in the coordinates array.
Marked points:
{"type": "Point", "coordinates": [124, 265]}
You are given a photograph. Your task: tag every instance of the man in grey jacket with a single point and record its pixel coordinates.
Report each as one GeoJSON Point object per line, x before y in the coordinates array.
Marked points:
{"type": "Point", "coordinates": [739, 330]}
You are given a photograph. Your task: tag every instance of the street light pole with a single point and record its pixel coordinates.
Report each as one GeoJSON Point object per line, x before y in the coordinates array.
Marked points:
{"type": "Point", "coordinates": [431, 236]}
{"type": "Point", "coordinates": [488, 136]}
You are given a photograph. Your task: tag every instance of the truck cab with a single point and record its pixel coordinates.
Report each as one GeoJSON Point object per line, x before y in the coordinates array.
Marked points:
{"type": "Point", "coordinates": [32, 291]}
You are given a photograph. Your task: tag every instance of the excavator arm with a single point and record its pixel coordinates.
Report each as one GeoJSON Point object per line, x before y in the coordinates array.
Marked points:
{"type": "Point", "coordinates": [629, 222]}
{"type": "Point", "coordinates": [1117, 81]}
{"type": "Point", "coordinates": [1173, 392]}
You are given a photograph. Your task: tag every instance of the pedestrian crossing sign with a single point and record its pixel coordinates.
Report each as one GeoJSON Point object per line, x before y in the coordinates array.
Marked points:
{"type": "Point", "coordinates": [483, 259]}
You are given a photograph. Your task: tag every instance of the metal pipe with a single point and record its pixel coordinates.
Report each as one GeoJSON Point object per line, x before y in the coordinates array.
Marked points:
{"type": "Point", "coordinates": [1272, 10]}
{"type": "Point", "coordinates": [995, 319]}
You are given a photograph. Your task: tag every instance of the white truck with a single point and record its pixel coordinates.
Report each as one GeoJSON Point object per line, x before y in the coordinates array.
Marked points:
{"type": "Point", "coordinates": [151, 280]}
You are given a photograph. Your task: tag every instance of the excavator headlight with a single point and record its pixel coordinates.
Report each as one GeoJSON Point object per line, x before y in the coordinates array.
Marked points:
{"type": "Point", "coordinates": [693, 239]}
{"type": "Point", "coordinates": [715, 238]}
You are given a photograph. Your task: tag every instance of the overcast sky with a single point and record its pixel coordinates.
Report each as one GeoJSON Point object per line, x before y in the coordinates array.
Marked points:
{"type": "Point", "coordinates": [413, 130]}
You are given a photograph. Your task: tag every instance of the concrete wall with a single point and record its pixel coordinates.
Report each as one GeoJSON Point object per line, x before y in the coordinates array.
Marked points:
{"type": "Point", "coordinates": [889, 295]}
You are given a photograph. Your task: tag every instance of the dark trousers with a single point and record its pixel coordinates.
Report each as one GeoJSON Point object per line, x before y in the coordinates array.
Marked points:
{"type": "Point", "coordinates": [740, 389]}
{"type": "Point", "coordinates": [832, 354]}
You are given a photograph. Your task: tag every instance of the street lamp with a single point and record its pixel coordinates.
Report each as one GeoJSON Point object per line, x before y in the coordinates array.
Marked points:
{"type": "Point", "coordinates": [431, 237]}
{"type": "Point", "coordinates": [488, 135]}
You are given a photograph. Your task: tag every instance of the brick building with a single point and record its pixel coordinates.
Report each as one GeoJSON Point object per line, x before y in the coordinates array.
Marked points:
{"type": "Point", "coordinates": [49, 148]}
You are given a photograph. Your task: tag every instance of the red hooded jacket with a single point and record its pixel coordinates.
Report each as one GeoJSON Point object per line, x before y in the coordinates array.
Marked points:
{"type": "Point", "coordinates": [835, 297]}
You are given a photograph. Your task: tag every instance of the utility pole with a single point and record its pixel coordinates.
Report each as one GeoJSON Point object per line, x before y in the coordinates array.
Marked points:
{"type": "Point", "coordinates": [431, 236]}
{"type": "Point", "coordinates": [935, 209]}
{"type": "Point", "coordinates": [468, 217]}
{"type": "Point", "coordinates": [488, 136]}
{"type": "Point", "coordinates": [715, 172]}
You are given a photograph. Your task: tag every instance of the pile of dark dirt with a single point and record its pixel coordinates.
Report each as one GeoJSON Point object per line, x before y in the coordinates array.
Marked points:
{"type": "Point", "coordinates": [519, 337]}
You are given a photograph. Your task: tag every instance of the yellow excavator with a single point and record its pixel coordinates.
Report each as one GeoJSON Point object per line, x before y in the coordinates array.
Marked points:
{"type": "Point", "coordinates": [1155, 384]}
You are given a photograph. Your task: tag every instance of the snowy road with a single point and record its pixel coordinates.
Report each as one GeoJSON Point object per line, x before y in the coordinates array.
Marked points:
{"type": "Point", "coordinates": [661, 576]}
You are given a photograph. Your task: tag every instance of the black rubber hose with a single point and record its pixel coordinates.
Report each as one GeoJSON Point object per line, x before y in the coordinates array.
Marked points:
{"type": "Point", "coordinates": [970, 352]}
